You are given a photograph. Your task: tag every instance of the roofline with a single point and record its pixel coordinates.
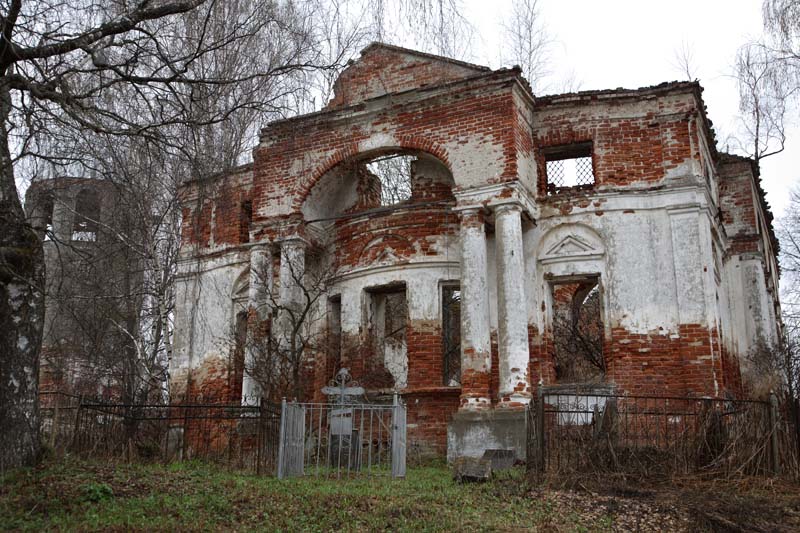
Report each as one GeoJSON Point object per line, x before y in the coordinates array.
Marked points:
{"type": "Point", "coordinates": [620, 92]}
{"type": "Point", "coordinates": [379, 44]}
{"type": "Point", "coordinates": [500, 73]}
{"type": "Point", "coordinates": [222, 174]}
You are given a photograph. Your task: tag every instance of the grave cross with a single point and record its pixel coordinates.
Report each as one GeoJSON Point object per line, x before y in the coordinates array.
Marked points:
{"type": "Point", "coordinates": [343, 386]}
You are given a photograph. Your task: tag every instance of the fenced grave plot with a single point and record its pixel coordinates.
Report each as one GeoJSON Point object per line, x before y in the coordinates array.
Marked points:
{"type": "Point", "coordinates": [243, 436]}
{"type": "Point", "coordinates": [590, 432]}
{"type": "Point", "coordinates": [342, 440]}
{"type": "Point", "coordinates": [57, 415]}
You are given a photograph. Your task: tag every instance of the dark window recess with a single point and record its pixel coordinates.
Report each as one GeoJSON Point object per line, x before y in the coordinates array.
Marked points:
{"type": "Point", "coordinates": [87, 215]}
{"type": "Point", "coordinates": [451, 335]}
{"type": "Point", "coordinates": [334, 358]}
{"type": "Point", "coordinates": [578, 332]}
{"type": "Point", "coordinates": [569, 167]}
{"type": "Point", "coordinates": [237, 369]}
{"type": "Point", "coordinates": [245, 218]}
{"type": "Point", "coordinates": [46, 224]}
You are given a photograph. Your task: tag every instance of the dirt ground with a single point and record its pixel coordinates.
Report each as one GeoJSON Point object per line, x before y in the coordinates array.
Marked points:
{"type": "Point", "coordinates": [688, 504]}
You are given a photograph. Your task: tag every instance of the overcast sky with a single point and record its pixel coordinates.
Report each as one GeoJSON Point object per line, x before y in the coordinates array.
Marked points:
{"type": "Point", "coordinates": [633, 43]}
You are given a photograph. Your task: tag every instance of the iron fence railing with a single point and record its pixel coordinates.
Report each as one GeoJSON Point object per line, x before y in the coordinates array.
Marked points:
{"type": "Point", "coordinates": [342, 440]}
{"type": "Point", "coordinates": [243, 436]}
{"type": "Point", "coordinates": [589, 431]}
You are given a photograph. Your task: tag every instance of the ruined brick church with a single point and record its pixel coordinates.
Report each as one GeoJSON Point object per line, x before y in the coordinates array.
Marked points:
{"type": "Point", "coordinates": [522, 240]}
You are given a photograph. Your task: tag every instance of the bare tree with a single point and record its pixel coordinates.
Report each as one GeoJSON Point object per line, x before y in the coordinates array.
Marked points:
{"type": "Point", "coordinates": [764, 97]}
{"type": "Point", "coordinates": [436, 26]}
{"type": "Point", "coordinates": [73, 69]}
{"type": "Point", "coordinates": [782, 22]}
{"type": "Point", "coordinates": [295, 332]}
{"type": "Point", "coordinates": [578, 336]}
{"type": "Point", "coordinates": [528, 42]}
{"type": "Point", "coordinates": [684, 61]}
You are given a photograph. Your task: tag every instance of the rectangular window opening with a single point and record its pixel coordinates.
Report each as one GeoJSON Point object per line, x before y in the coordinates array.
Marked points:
{"type": "Point", "coordinates": [451, 335]}
{"type": "Point", "coordinates": [334, 360]}
{"type": "Point", "coordinates": [569, 167]}
{"type": "Point", "coordinates": [388, 318]}
{"type": "Point", "coordinates": [578, 332]}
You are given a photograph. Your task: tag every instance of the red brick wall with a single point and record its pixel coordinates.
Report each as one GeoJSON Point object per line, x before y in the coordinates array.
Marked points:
{"type": "Point", "coordinates": [640, 148]}
{"type": "Point", "coordinates": [384, 69]}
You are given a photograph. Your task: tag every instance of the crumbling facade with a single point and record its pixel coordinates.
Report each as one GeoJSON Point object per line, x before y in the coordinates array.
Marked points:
{"type": "Point", "coordinates": [588, 237]}
{"type": "Point", "coordinates": [86, 348]}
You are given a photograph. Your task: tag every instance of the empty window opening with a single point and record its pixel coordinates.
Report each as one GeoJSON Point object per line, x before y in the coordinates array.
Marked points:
{"type": "Point", "coordinates": [388, 317]}
{"type": "Point", "coordinates": [394, 173]}
{"type": "Point", "coordinates": [578, 332]}
{"type": "Point", "coordinates": [569, 167]}
{"type": "Point", "coordinates": [87, 216]}
{"type": "Point", "coordinates": [451, 335]}
{"type": "Point", "coordinates": [236, 371]}
{"type": "Point", "coordinates": [334, 351]}
{"type": "Point", "coordinates": [245, 218]}
{"type": "Point", "coordinates": [45, 222]}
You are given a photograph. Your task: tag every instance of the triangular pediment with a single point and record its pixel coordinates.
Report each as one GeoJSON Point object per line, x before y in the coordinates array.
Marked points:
{"type": "Point", "coordinates": [571, 245]}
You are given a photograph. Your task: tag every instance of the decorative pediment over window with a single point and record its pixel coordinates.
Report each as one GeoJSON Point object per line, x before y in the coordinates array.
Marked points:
{"type": "Point", "coordinates": [388, 248]}
{"type": "Point", "coordinates": [570, 242]}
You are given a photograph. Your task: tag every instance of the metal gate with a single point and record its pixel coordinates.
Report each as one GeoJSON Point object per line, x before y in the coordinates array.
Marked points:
{"type": "Point", "coordinates": [342, 439]}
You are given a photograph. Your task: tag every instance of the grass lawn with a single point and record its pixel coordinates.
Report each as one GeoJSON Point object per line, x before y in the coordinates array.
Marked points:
{"type": "Point", "coordinates": [82, 495]}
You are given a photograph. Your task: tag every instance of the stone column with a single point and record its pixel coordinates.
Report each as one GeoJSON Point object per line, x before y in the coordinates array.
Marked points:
{"type": "Point", "coordinates": [258, 306]}
{"type": "Point", "coordinates": [511, 308]}
{"type": "Point", "coordinates": [476, 354]}
{"type": "Point", "coordinates": [290, 290]}
{"type": "Point", "coordinates": [292, 271]}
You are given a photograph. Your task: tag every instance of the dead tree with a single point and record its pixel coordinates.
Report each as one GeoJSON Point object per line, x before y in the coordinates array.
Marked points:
{"type": "Point", "coordinates": [295, 331]}
{"type": "Point", "coordinates": [71, 68]}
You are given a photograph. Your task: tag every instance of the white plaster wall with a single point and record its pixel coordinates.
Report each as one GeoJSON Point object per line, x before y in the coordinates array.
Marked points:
{"type": "Point", "coordinates": [751, 306]}
{"type": "Point", "coordinates": [204, 310]}
{"type": "Point", "coordinates": [652, 264]}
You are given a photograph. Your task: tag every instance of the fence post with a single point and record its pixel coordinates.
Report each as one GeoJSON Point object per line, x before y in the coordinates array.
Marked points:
{"type": "Point", "coordinates": [773, 435]}
{"type": "Point", "coordinates": [281, 439]}
{"type": "Point", "coordinates": [185, 440]}
{"type": "Point", "coordinates": [540, 459]}
{"type": "Point", "coordinates": [259, 437]}
{"type": "Point", "coordinates": [54, 425]}
{"type": "Point", "coordinates": [398, 438]}
{"type": "Point", "coordinates": [76, 423]}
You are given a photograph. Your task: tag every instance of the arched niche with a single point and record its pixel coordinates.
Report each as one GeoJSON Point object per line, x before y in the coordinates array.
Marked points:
{"type": "Point", "coordinates": [379, 178]}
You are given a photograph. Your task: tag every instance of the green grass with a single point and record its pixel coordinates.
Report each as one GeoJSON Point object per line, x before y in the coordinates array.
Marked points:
{"type": "Point", "coordinates": [81, 495]}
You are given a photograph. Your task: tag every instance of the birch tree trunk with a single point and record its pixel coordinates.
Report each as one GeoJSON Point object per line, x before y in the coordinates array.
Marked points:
{"type": "Point", "coordinates": [21, 314]}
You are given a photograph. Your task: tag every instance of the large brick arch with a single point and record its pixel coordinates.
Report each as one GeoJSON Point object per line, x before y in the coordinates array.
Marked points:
{"type": "Point", "coordinates": [355, 150]}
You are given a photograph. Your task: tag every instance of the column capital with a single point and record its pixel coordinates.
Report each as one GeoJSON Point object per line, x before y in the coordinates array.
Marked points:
{"type": "Point", "coordinates": [292, 241]}
{"type": "Point", "coordinates": [469, 209]}
{"type": "Point", "coordinates": [507, 206]}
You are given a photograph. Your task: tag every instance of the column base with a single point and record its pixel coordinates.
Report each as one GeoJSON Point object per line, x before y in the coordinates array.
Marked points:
{"type": "Point", "coordinates": [471, 433]}
{"type": "Point", "coordinates": [475, 403]}
{"type": "Point", "coordinates": [514, 400]}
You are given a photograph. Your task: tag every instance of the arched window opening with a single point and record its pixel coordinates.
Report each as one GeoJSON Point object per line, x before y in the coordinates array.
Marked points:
{"type": "Point", "coordinates": [394, 174]}
{"type": "Point", "coordinates": [87, 216]}
{"type": "Point", "coordinates": [46, 214]}
{"type": "Point", "coordinates": [578, 331]}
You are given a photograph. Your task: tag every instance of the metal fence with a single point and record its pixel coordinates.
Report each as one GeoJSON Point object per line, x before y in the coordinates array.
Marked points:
{"type": "Point", "coordinates": [342, 440]}
{"type": "Point", "coordinates": [240, 436]}
{"type": "Point", "coordinates": [587, 431]}
{"type": "Point", "coordinates": [57, 411]}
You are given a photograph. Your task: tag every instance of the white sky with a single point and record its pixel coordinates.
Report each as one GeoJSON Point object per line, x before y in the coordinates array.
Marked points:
{"type": "Point", "coordinates": [632, 43]}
